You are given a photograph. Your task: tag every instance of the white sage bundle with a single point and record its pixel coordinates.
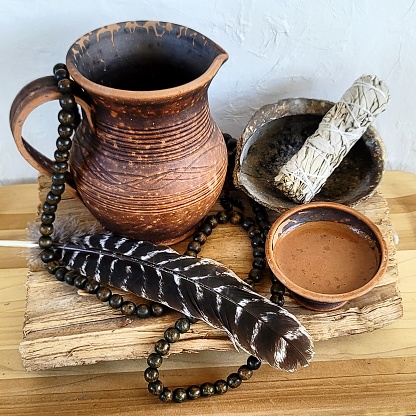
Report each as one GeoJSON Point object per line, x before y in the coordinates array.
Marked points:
{"type": "Point", "coordinates": [304, 175]}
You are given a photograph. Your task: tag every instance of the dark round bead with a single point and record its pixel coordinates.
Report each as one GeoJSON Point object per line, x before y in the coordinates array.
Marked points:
{"type": "Point", "coordinates": [166, 395]}
{"type": "Point", "coordinates": [154, 360]}
{"type": "Point", "coordinates": [256, 207]}
{"type": "Point", "coordinates": [53, 266]}
{"type": "Point", "coordinates": [47, 255]}
{"type": "Point", "coordinates": [253, 363]}
{"type": "Point", "coordinates": [179, 395]}
{"type": "Point", "coordinates": [60, 167]}
{"type": "Point", "coordinates": [238, 203]}
{"type": "Point", "coordinates": [234, 380]}
{"type": "Point", "coordinates": [53, 199]}
{"type": "Point", "coordinates": [245, 373]}
{"type": "Point", "coordinates": [200, 237]}
{"type": "Point", "coordinates": [253, 231]}
{"type": "Point", "coordinates": [191, 253]}
{"type": "Point", "coordinates": [92, 286]}
{"type": "Point", "coordinates": [45, 241]}
{"type": "Point", "coordinates": [58, 178]}
{"type": "Point", "coordinates": [231, 143]}
{"type": "Point", "coordinates": [67, 102]}
{"type": "Point", "coordinates": [48, 208]}
{"type": "Point", "coordinates": [143, 311]}
{"type": "Point", "coordinates": [128, 308]}
{"type": "Point", "coordinates": [259, 263]}
{"type": "Point", "coordinates": [104, 294]}
{"type": "Point", "coordinates": [236, 217]}
{"type": "Point", "coordinates": [46, 229]}
{"type": "Point", "coordinates": [47, 218]}
{"type": "Point", "coordinates": [259, 252]}
{"type": "Point", "coordinates": [60, 273]}
{"type": "Point", "coordinates": [227, 205]}
{"type": "Point", "coordinates": [172, 335]}
{"type": "Point", "coordinates": [277, 289]}
{"type": "Point", "coordinates": [61, 155]}
{"type": "Point", "coordinates": [156, 309]}
{"type": "Point", "coordinates": [151, 374]}
{"type": "Point", "coordinates": [206, 229]}
{"type": "Point", "coordinates": [275, 279]}
{"type": "Point", "coordinates": [182, 325]}
{"type": "Point", "coordinates": [66, 117]}
{"type": "Point", "coordinates": [64, 141]}
{"type": "Point", "coordinates": [231, 156]}
{"type": "Point", "coordinates": [60, 73]}
{"type": "Point", "coordinates": [80, 281]}
{"type": "Point", "coordinates": [264, 227]}
{"type": "Point", "coordinates": [278, 300]}
{"type": "Point", "coordinates": [255, 275]}
{"type": "Point", "coordinates": [162, 347]}
{"type": "Point", "coordinates": [262, 215]}
{"type": "Point", "coordinates": [115, 301]}
{"type": "Point", "coordinates": [193, 392]}
{"type": "Point", "coordinates": [227, 137]}
{"type": "Point", "coordinates": [231, 161]}
{"type": "Point", "coordinates": [59, 65]}
{"type": "Point", "coordinates": [194, 246]}
{"type": "Point", "coordinates": [207, 389]}
{"type": "Point", "coordinates": [222, 217]}
{"type": "Point", "coordinates": [212, 220]}
{"type": "Point", "coordinates": [155, 387]}
{"type": "Point", "coordinates": [64, 85]}
{"type": "Point", "coordinates": [70, 276]}
{"type": "Point", "coordinates": [257, 241]}
{"type": "Point", "coordinates": [247, 223]}
{"type": "Point", "coordinates": [220, 387]}
{"type": "Point", "coordinates": [57, 189]}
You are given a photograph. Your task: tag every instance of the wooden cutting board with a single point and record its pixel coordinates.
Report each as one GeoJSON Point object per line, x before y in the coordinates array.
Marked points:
{"type": "Point", "coordinates": [65, 326]}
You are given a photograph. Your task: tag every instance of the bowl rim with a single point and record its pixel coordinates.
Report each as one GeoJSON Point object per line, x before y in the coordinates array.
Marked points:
{"type": "Point", "coordinates": [297, 106]}
{"type": "Point", "coordinates": [317, 296]}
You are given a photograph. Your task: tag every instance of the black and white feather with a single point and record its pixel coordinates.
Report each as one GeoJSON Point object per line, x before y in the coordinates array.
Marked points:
{"type": "Point", "coordinates": [199, 288]}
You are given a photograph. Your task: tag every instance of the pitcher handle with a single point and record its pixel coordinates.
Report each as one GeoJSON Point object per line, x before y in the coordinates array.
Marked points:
{"type": "Point", "coordinates": [34, 94]}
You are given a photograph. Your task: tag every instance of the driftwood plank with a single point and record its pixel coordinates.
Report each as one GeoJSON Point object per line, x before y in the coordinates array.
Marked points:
{"type": "Point", "coordinates": [65, 327]}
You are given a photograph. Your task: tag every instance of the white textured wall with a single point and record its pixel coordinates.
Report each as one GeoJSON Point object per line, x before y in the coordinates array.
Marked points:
{"type": "Point", "coordinates": [278, 49]}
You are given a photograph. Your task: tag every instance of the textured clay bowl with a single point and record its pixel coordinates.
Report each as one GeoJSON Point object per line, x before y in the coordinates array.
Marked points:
{"type": "Point", "coordinates": [326, 254]}
{"type": "Point", "coordinates": [277, 131]}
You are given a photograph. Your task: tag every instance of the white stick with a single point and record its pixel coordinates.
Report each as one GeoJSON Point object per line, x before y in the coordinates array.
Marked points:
{"type": "Point", "coordinates": [18, 243]}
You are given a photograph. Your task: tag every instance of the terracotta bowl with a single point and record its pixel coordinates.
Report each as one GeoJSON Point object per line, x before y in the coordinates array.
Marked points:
{"type": "Point", "coordinates": [277, 131]}
{"type": "Point", "coordinates": [326, 254]}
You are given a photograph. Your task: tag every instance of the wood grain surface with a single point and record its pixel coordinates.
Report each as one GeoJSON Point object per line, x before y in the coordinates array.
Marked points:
{"type": "Point", "coordinates": [367, 373]}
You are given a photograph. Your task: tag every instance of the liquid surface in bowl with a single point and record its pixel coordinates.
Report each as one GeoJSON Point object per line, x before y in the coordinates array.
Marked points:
{"type": "Point", "coordinates": [326, 257]}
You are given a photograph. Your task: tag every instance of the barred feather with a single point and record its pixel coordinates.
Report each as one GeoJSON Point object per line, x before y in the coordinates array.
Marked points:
{"type": "Point", "coordinates": [199, 288]}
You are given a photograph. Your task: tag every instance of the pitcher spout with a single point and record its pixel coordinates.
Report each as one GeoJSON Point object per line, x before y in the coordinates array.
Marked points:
{"type": "Point", "coordinates": [216, 64]}
{"type": "Point", "coordinates": [144, 60]}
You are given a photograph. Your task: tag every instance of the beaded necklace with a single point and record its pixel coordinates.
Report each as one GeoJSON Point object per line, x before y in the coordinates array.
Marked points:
{"type": "Point", "coordinates": [257, 229]}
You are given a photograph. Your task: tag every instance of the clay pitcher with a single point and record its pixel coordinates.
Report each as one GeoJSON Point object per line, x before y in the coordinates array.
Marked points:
{"type": "Point", "coordinates": [147, 160]}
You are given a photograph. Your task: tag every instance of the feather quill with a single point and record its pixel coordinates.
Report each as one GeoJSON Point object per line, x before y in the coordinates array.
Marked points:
{"type": "Point", "coordinates": [199, 288]}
